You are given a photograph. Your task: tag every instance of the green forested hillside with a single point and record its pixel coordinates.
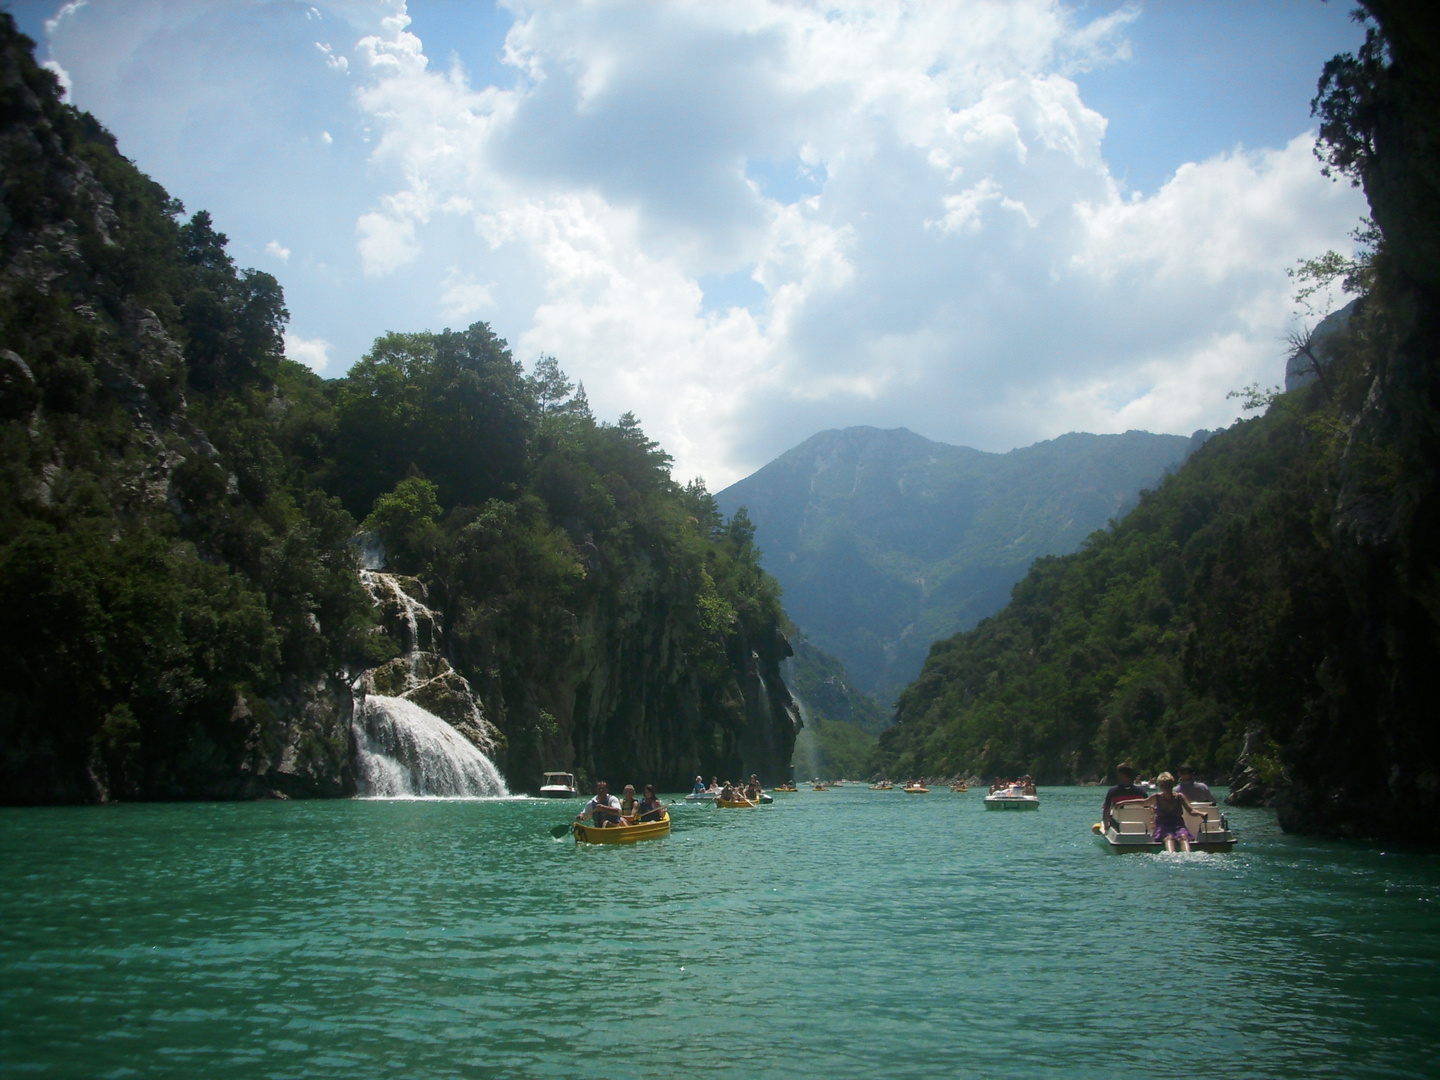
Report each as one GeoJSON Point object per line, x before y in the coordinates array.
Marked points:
{"type": "Point", "coordinates": [885, 541]}
{"type": "Point", "coordinates": [178, 500]}
{"type": "Point", "coordinates": [1281, 592]}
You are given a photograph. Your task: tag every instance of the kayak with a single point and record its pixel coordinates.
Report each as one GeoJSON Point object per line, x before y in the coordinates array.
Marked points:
{"type": "Point", "coordinates": [622, 834]}
{"type": "Point", "coordinates": [916, 789]}
{"type": "Point", "coordinates": [735, 805]}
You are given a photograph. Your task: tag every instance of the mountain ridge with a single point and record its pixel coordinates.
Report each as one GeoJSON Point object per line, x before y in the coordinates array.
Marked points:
{"type": "Point", "coordinates": [885, 541]}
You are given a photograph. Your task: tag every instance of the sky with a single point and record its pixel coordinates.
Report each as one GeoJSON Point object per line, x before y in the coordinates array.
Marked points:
{"type": "Point", "coordinates": [988, 221]}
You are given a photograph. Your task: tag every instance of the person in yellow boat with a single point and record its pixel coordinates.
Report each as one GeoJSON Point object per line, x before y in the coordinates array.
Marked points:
{"type": "Point", "coordinates": [651, 808]}
{"type": "Point", "coordinates": [753, 789]}
{"type": "Point", "coordinates": [604, 808]}
{"type": "Point", "coordinates": [628, 804]}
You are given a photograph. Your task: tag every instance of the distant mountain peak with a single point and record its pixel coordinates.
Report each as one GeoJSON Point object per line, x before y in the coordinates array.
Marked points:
{"type": "Point", "coordinates": [885, 540]}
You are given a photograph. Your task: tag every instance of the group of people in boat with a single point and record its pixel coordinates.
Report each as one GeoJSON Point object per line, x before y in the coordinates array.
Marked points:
{"type": "Point", "coordinates": [1025, 785]}
{"type": "Point", "coordinates": [606, 811]}
{"type": "Point", "coordinates": [731, 791]}
{"type": "Point", "coordinates": [1170, 803]}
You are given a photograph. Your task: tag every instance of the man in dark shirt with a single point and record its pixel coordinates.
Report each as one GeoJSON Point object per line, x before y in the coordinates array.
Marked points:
{"type": "Point", "coordinates": [1124, 791]}
{"type": "Point", "coordinates": [1192, 789]}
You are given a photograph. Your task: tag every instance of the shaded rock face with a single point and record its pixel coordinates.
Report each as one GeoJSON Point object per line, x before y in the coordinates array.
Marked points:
{"type": "Point", "coordinates": [628, 702]}
{"type": "Point", "coordinates": [1248, 786]}
{"type": "Point", "coordinates": [311, 758]}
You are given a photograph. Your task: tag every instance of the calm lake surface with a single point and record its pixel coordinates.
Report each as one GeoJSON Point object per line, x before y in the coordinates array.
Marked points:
{"type": "Point", "coordinates": [841, 934]}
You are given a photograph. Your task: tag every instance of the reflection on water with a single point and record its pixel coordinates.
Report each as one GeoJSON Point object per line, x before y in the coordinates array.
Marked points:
{"type": "Point", "coordinates": [845, 934]}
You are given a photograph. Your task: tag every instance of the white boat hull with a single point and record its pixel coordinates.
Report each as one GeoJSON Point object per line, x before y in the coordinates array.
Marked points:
{"type": "Point", "coordinates": [1012, 802]}
{"type": "Point", "coordinates": [1132, 830]}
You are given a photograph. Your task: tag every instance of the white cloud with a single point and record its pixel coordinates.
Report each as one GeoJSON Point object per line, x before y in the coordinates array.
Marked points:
{"type": "Point", "coordinates": [959, 259]}
{"type": "Point", "coordinates": [276, 249]}
{"type": "Point", "coordinates": [65, 11]}
{"type": "Point", "coordinates": [61, 74]}
{"type": "Point", "coordinates": [314, 353]}
{"type": "Point", "coordinates": [333, 60]}
{"type": "Point", "coordinates": [386, 242]}
{"type": "Point", "coordinates": [463, 298]}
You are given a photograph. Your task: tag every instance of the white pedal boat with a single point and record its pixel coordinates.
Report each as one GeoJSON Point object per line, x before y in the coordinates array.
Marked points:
{"type": "Point", "coordinates": [1133, 827]}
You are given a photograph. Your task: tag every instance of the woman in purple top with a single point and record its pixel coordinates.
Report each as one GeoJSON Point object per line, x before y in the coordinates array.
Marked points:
{"type": "Point", "coordinates": [1169, 807]}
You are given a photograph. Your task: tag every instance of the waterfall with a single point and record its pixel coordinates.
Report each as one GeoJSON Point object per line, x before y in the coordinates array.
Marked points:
{"type": "Point", "coordinates": [405, 750]}
{"type": "Point", "coordinates": [418, 728]}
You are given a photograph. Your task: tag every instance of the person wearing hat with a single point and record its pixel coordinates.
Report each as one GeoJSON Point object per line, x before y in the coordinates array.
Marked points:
{"type": "Point", "coordinates": [1125, 791]}
{"type": "Point", "coordinates": [699, 788]}
{"type": "Point", "coordinates": [1192, 789]}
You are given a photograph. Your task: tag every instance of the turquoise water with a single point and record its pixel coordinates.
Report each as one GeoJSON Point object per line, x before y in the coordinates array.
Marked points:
{"type": "Point", "coordinates": [845, 934]}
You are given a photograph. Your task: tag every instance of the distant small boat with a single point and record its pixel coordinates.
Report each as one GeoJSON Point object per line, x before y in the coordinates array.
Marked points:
{"type": "Point", "coordinates": [1003, 800]}
{"type": "Point", "coordinates": [916, 789]}
{"type": "Point", "coordinates": [786, 787]}
{"type": "Point", "coordinates": [959, 787]}
{"type": "Point", "coordinates": [884, 785]}
{"type": "Point", "coordinates": [818, 787]}
{"type": "Point", "coordinates": [1132, 829]}
{"type": "Point", "coordinates": [559, 785]}
{"type": "Point", "coordinates": [735, 804]}
{"type": "Point", "coordinates": [622, 834]}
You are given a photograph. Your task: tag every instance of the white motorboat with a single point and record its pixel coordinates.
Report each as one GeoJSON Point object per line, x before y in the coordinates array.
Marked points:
{"type": "Point", "coordinates": [1003, 800]}
{"type": "Point", "coordinates": [559, 785]}
{"type": "Point", "coordinates": [1132, 828]}
{"type": "Point", "coordinates": [702, 796]}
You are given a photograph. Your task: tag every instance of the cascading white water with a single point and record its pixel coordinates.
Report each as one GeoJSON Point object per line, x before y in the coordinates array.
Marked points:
{"type": "Point", "coordinates": [404, 750]}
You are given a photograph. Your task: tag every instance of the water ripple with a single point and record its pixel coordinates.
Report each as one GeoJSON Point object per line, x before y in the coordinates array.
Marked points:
{"type": "Point", "coordinates": [847, 933]}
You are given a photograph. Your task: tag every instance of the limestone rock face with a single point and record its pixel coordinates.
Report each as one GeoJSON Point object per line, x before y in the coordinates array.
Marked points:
{"type": "Point", "coordinates": [1300, 369]}
{"type": "Point", "coordinates": [421, 674]}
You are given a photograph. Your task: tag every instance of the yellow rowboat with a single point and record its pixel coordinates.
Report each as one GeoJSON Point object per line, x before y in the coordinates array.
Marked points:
{"type": "Point", "coordinates": [623, 834]}
{"type": "Point", "coordinates": [786, 787]}
{"type": "Point", "coordinates": [882, 787]}
{"type": "Point", "coordinates": [916, 789]}
{"type": "Point", "coordinates": [735, 805]}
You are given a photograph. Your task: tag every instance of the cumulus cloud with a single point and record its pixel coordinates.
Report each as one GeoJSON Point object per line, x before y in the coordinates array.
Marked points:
{"type": "Point", "coordinates": [462, 298]}
{"type": "Point", "coordinates": [314, 353]}
{"type": "Point", "coordinates": [967, 266]}
{"type": "Point", "coordinates": [917, 194]}
{"type": "Point", "coordinates": [278, 250]}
